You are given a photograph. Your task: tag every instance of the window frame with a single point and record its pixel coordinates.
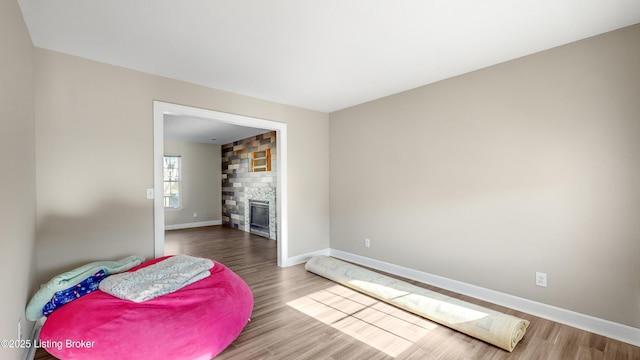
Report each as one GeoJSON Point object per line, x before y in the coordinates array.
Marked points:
{"type": "Point", "coordinates": [177, 181]}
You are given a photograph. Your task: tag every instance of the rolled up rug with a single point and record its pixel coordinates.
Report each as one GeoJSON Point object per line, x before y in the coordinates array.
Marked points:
{"type": "Point", "coordinates": [493, 327]}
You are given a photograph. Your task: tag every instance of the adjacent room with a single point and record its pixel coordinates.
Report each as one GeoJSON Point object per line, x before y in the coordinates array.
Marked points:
{"type": "Point", "coordinates": [305, 162]}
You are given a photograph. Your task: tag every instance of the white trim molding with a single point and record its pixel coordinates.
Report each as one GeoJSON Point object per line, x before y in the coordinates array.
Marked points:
{"type": "Point", "coordinates": [192, 225]}
{"type": "Point", "coordinates": [621, 332]}
{"type": "Point", "coordinates": [299, 259]}
{"type": "Point", "coordinates": [30, 352]}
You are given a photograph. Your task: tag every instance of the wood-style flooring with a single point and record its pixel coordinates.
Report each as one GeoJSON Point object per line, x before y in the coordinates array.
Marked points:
{"type": "Point", "coordinates": [299, 315]}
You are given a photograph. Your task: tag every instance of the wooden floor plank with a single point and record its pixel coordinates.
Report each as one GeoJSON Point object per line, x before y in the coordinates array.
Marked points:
{"type": "Point", "coordinates": [278, 330]}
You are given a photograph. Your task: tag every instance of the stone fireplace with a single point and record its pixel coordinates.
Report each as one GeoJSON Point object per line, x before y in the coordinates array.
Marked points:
{"type": "Point", "coordinates": [260, 211]}
{"type": "Point", "coordinates": [244, 178]}
{"type": "Point", "coordinates": [259, 217]}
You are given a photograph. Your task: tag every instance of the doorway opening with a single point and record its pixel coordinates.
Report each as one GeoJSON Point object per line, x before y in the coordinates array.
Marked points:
{"type": "Point", "coordinates": [160, 109]}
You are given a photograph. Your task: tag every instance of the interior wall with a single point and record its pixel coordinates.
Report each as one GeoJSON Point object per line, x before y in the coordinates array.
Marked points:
{"type": "Point", "coordinates": [486, 178]}
{"type": "Point", "coordinates": [201, 190]}
{"type": "Point", "coordinates": [94, 132]}
{"type": "Point", "coordinates": [17, 144]}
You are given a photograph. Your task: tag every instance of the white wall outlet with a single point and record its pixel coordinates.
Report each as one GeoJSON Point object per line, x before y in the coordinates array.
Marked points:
{"type": "Point", "coordinates": [367, 243]}
{"type": "Point", "coordinates": [195, 214]}
{"type": "Point", "coordinates": [541, 279]}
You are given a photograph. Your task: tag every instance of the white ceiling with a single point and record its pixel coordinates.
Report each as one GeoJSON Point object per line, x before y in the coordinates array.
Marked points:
{"type": "Point", "coordinates": [206, 131]}
{"type": "Point", "coordinates": [321, 55]}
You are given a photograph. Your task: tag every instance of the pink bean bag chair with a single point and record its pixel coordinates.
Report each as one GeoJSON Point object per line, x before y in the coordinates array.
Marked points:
{"type": "Point", "coordinates": [196, 322]}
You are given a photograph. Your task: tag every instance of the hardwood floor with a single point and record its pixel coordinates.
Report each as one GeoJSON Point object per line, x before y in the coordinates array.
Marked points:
{"type": "Point", "coordinates": [299, 315]}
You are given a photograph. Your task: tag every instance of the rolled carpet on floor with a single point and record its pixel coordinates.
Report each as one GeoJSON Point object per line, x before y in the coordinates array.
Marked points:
{"type": "Point", "coordinates": [493, 327]}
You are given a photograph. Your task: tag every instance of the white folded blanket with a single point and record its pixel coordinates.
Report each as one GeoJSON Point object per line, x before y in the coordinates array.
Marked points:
{"type": "Point", "coordinates": [163, 277]}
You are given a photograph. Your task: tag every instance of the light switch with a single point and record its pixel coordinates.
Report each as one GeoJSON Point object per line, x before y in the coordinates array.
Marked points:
{"type": "Point", "coordinates": [150, 194]}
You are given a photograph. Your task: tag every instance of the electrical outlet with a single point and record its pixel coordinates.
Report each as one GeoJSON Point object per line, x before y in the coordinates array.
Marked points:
{"type": "Point", "coordinates": [541, 279]}
{"type": "Point", "coordinates": [195, 214]}
{"type": "Point", "coordinates": [367, 243]}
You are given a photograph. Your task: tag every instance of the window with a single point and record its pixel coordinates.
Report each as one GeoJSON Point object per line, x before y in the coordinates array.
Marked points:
{"type": "Point", "coordinates": [261, 161]}
{"type": "Point", "coordinates": [172, 177]}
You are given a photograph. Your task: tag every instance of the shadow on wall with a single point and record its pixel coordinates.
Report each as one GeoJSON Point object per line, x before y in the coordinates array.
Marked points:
{"type": "Point", "coordinates": [112, 231]}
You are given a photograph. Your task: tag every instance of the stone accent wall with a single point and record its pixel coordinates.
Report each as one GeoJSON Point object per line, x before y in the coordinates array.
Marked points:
{"type": "Point", "coordinates": [239, 185]}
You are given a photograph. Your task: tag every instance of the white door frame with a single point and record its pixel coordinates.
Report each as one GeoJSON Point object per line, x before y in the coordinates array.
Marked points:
{"type": "Point", "coordinates": [160, 109]}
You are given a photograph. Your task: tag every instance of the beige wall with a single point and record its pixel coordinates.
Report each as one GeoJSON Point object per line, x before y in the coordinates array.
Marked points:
{"type": "Point", "coordinates": [486, 178]}
{"type": "Point", "coordinates": [17, 208]}
{"type": "Point", "coordinates": [90, 113]}
{"type": "Point", "coordinates": [201, 182]}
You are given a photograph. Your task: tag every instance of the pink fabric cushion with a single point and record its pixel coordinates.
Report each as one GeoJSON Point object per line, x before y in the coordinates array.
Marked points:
{"type": "Point", "coordinates": [196, 322]}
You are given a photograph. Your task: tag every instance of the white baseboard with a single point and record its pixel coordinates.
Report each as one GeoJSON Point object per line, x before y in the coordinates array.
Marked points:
{"type": "Point", "coordinates": [192, 225]}
{"type": "Point", "coordinates": [589, 323]}
{"type": "Point", "coordinates": [30, 352]}
{"type": "Point", "coordinates": [299, 259]}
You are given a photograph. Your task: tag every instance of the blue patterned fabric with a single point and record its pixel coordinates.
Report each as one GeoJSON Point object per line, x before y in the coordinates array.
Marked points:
{"type": "Point", "coordinates": [70, 278]}
{"type": "Point", "coordinates": [66, 296]}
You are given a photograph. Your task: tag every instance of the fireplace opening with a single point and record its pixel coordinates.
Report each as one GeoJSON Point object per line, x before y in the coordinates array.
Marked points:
{"type": "Point", "coordinates": [259, 217]}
